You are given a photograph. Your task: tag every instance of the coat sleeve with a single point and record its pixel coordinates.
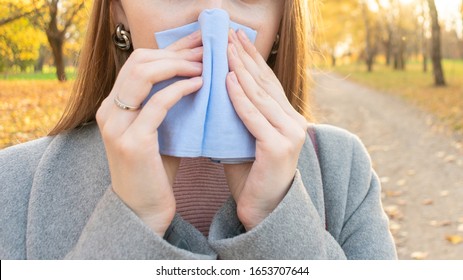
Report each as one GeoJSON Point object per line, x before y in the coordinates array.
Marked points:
{"type": "Point", "coordinates": [115, 232]}
{"type": "Point", "coordinates": [294, 229]}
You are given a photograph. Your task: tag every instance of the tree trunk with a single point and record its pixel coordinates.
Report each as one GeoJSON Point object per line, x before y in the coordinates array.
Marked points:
{"type": "Point", "coordinates": [56, 44]}
{"type": "Point", "coordinates": [369, 53]}
{"type": "Point", "coordinates": [423, 39]}
{"type": "Point", "coordinates": [388, 47]}
{"type": "Point", "coordinates": [56, 39]}
{"type": "Point", "coordinates": [436, 55]}
{"type": "Point", "coordinates": [425, 63]}
{"type": "Point", "coordinates": [333, 60]}
{"type": "Point", "coordinates": [461, 41]}
{"type": "Point", "coordinates": [38, 67]}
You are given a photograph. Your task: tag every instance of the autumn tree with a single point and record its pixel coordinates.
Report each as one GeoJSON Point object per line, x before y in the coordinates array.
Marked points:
{"type": "Point", "coordinates": [371, 31]}
{"type": "Point", "coordinates": [19, 40]}
{"type": "Point", "coordinates": [436, 55]}
{"type": "Point", "coordinates": [422, 21]}
{"type": "Point", "coordinates": [461, 41]}
{"type": "Point", "coordinates": [340, 27]}
{"type": "Point", "coordinates": [386, 22]}
{"type": "Point", "coordinates": [57, 19]}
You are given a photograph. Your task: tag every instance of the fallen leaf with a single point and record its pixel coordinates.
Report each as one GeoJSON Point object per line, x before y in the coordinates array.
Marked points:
{"type": "Point", "coordinates": [419, 255]}
{"type": "Point", "coordinates": [402, 202]}
{"type": "Point", "coordinates": [394, 193]}
{"type": "Point", "coordinates": [394, 227]}
{"type": "Point", "coordinates": [435, 223]}
{"type": "Point", "coordinates": [454, 239]}
{"type": "Point", "coordinates": [384, 179]}
{"type": "Point", "coordinates": [401, 183]}
{"type": "Point", "coordinates": [440, 154]}
{"type": "Point", "coordinates": [444, 193]}
{"type": "Point", "coordinates": [450, 158]}
{"type": "Point", "coordinates": [393, 212]}
{"type": "Point", "coordinates": [428, 201]}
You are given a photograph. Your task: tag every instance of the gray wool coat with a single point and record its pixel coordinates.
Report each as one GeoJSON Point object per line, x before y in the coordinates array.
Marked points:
{"type": "Point", "coordinates": [56, 203]}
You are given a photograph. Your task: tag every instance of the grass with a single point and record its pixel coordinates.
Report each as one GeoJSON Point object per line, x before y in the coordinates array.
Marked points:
{"type": "Point", "coordinates": [30, 109]}
{"type": "Point", "coordinates": [48, 74]}
{"type": "Point", "coordinates": [417, 87]}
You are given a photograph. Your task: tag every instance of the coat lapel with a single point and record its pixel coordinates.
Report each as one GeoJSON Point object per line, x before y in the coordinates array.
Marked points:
{"type": "Point", "coordinates": [71, 178]}
{"type": "Point", "coordinates": [309, 167]}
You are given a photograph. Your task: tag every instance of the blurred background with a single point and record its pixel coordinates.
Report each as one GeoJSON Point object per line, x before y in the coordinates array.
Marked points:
{"type": "Point", "coordinates": [390, 71]}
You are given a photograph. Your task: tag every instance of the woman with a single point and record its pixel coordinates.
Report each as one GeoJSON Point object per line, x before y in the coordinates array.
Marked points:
{"type": "Point", "coordinates": [103, 190]}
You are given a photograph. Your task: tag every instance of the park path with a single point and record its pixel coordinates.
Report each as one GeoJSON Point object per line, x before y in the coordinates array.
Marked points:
{"type": "Point", "coordinates": [420, 164]}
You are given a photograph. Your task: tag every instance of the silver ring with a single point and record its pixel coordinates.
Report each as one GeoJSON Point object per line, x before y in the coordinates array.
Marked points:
{"type": "Point", "coordinates": [124, 106]}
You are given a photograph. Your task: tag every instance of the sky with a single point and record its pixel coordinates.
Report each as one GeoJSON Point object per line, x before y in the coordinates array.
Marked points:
{"type": "Point", "coordinates": [449, 11]}
{"type": "Point", "coordinates": [447, 8]}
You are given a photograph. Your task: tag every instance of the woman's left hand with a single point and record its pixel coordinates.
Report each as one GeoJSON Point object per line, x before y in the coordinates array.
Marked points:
{"type": "Point", "coordinates": [280, 131]}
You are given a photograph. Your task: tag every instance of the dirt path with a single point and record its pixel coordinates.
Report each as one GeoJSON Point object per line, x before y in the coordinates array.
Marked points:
{"type": "Point", "coordinates": [420, 164]}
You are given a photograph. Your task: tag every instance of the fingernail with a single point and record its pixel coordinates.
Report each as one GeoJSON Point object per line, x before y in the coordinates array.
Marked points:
{"type": "Point", "coordinates": [234, 36]}
{"type": "Point", "coordinates": [230, 32]}
{"type": "Point", "coordinates": [197, 50]}
{"type": "Point", "coordinates": [243, 35]}
{"type": "Point", "coordinates": [233, 77]}
{"type": "Point", "coordinates": [194, 35]}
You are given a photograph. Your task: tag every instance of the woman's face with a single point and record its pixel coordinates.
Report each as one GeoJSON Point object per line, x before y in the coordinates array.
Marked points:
{"type": "Point", "coordinates": [145, 17]}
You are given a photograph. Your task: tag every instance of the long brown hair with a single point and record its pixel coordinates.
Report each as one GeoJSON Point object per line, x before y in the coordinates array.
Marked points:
{"type": "Point", "coordinates": [100, 62]}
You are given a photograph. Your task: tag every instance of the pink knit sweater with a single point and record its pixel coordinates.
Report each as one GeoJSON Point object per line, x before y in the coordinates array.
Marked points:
{"type": "Point", "coordinates": [200, 189]}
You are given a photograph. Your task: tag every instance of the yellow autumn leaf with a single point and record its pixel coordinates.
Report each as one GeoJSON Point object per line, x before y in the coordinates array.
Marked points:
{"type": "Point", "coordinates": [419, 255]}
{"type": "Point", "coordinates": [454, 239]}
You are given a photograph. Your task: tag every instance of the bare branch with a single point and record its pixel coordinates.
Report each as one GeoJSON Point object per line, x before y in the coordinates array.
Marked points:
{"type": "Point", "coordinates": [15, 17]}
{"type": "Point", "coordinates": [74, 13]}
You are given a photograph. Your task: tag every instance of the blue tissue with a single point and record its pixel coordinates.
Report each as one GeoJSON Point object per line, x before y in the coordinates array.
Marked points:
{"type": "Point", "coordinates": [205, 124]}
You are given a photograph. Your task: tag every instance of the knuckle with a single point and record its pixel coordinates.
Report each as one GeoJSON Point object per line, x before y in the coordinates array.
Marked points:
{"type": "Point", "coordinates": [137, 55]}
{"type": "Point", "coordinates": [262, 94]}
{"type": "Point", "coordinates": [300, 136]}
{"type": "Point", "coordinates": [159, 104]}
{"type": "Point", "coordinates": [125, 147]}
{"type": "Point", "coordinates": [100, 115]}
{"type": "Point", "coordinates": [250, 113]}
{"type": "Point", "coordinates": [136, 72]}
{"type": "Point", "coordinates": [264, 78]}
{"type": "Point", "coordinates": [107, 133]}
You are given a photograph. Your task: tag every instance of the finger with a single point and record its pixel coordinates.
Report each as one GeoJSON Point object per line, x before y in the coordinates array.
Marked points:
{"type": "Point", "coordinates": [252, 118]}
{"type": "Point", "coordinates": [262, 73]}
{"type": "Point", "coordinates": [148, 55]}
{"type": "Point", "coordinates": [138, 84]}
{"type": "Point", "coordinates": [188, 42]}
{"type": "Point", "coordinates": [155, 110]}
{"type": "Point", "coordinates": [138, 81]}
{"type": "Point", "coordinates": [261, 100]}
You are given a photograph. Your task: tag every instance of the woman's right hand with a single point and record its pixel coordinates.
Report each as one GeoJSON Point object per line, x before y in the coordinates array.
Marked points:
{"type": "Point", "coordinates": [140, 176]}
